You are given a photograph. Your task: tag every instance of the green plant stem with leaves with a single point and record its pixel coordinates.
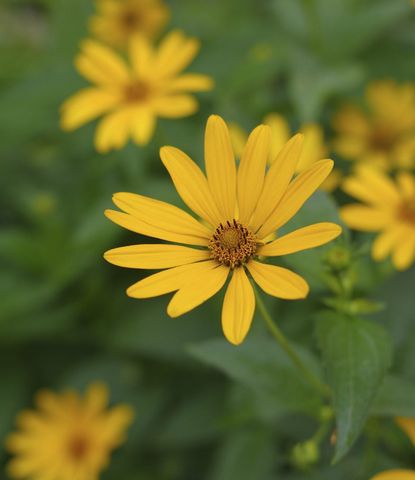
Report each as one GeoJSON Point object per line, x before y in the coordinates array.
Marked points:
{"type": "Point", "coordinates": [284, 343]}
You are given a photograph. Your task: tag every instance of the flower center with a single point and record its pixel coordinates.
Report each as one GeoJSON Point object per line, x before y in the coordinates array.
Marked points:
{"type": "Point", "coordinates": [78, 447]}
{"type": "Point", "coordinates": [382, 138]}
{"type": "Point", "coordinates": [130, 20]}
{"type": "Point", "coordinates": [232, 244]}
{"type": "Point", "coordinates": [136, 92]}
{"type": "Point", "coordinates": [407, 212]}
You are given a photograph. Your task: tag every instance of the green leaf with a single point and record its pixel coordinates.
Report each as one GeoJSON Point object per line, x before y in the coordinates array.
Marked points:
{"type": "Point", "coordinates": [396, 397]}
{"type": "Point", "coordinates": [262, 366]}
{"type": "Point", "coordinates": [356, 355]}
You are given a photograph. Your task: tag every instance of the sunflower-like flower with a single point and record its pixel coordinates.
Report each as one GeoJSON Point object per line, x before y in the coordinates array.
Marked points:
{"type": "Point", "coordinates": [67, 436]}
{"type": "Point", "coordinates": [389, 208]}
{"type": "Point", "coordinates": [238, 209]}
{"type": "Point", "coordinates": [314, 147]}
{"type": "Point", "coordinates": [383, 134]}
{"type": "Point", "coordinates": [132, 96]}
{"type": "Point", "coordinates": [408, 426]}
{"type": "Point", "coordinates": [117, 20]}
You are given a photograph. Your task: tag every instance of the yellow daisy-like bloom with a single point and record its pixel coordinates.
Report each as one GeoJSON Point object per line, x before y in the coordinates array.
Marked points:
{"type": "Point", "coordinates": [389, 209]}
{"type": "Point", "coordinates": [408, 426]}
{"type": "Point", "coordinates": [313, 150]}
{"type": "Point", "coordinates": [239, 208]}
{"type": "Point", "coordinates": [67, 437]}
{"type": "Point", "coordinates": [384, 134]}
{"type": "Point", "coordinates": [117, 20]}
{"type": "Point", "coordinates": [132, 96]}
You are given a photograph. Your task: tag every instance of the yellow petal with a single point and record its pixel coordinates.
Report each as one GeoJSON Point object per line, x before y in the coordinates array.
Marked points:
{"type": "Point", "coordinates": [277, 180]}
{"type": "Point", "coordinates": [406, 183]}
{"type": "Point", "coordinates": [296, 195]}
{"type": "Point", "coordinates": [220, 166]}
{"type": "Point", "coordinates": [164, 217]}
{"type": "Point", "coordinates": [367, 219]}
{"type": "Point", "coordinates": [175, 53]}
{"type": "Point", "coordinates": [238, 138]}
{"type": "Point", "coordinates": [302, 239]}
{"type": "Point", "coordinates": [49, 402]}
{"type": "Point", "coordinates": [385, 242]}
{"type": "Point", "coordinates": [141, 56]}
{"type": "Point", "coordinates": [238, 307]}
{"type": "Point", "coordinates": [113, 130]}
{"type": "Point", "coordinates": [143, 123]}
{"type": "Point", "coordinates": [96, 398]}
{"type": "Point", "coordinates": [191, 82]}
{"type": "Point", "coordinates": [395, 475]}
{"type": "Point", "coordinates": [278, 281]}
{"type": "Point", "coordinates": [251, 171]}
{"type": "Point", "coordinates": [372, 186]}
{"type": "Point", "coordinates": [169, 280]}
{"type": "Point", "coordinates": [86, 105]}
{"type": "Point", "coordinates": [197, 291]}
{"type": "Point", "coordinates": [105, 61]}
{"type": "Point", "coordinates": [404, 252]}
{"type": "Point", "coordinates": [174, 106]}
{"type": "Point", "coordinates": [314, 148]}
{"type": "Point", "coordinates": [280, 133]}
{"type": "Point", "coordinates": [191, 184]}
{"type": "Point", "coordinates": [154, 256]}
{"type": "Point", "coordinates": [408, 426]}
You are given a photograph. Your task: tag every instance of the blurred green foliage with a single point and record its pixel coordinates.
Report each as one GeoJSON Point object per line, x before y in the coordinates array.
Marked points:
{"type": "Point", "coordinates": [204, 409]}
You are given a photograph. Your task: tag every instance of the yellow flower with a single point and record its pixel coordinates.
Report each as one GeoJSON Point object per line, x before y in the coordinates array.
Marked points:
{"type": "Point", "coordinates": [132, 96]}
{"type": "Point", "coordinates": [389, 209]}
{"type": "Point", "coordinates": [117, 20]}
{"type": "Point", "coordinates": [383, 135]}
{"type": "Point", "coordinates": [67, 436]}
{"type": "Point", "coordinates": [408, 426]}
{"type": "Point", "coordinates": [314, 147]}
{"type": "Point", "coordinates": [238, 209]}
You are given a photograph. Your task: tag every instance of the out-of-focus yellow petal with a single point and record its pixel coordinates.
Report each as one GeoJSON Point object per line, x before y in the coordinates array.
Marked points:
{"type": "Point", "coordinates": [169, 280]}
{"type": "Point", "coordinates": [332, 181]}
{"type": "Point", "coordinates": [296, 195]}
{"type": "Point", "coordinates": [302, 239]}
{"type": "Point", "coordinates": [191, 184]}
{"type": "Point", "coordinates": [408, 426]}
{"type": "Point", "coordinates": [280, 133]}
{"type": "Point", "coordinates": [113, 130]}
{"type": "Point", "coordinates": [220, 166]}
{"type": "Point", "coordinates": [350, 120]}
{"type": "Point", "coordinates": [86, 105]}
{"type": "Point", "coordinates": [96, 398]}
{"type": "Point", "coordinates": [385, 242]}
{"type": "Point", "coordinates": [313, 147]}
{"type": "Point", "coordinates": [278, 281]}
{"type": "Point", "coordinates": [197, 291]}
{"type": "Point", "coordinates": [368, 219]}
{"type": "Point", "coordinates": [277, 181]}
{"type": "Point", "coordinates": [395, 475]}
{"type": "Point", "coordinates": [238, 138]}
{"type": "Point", "coordinates": [251, 171]}
{"type": "Point", "coordinates": [238, 307]}
{"type": "Point", "coordinates": [406, 183]}
{"type": "Point", "coordinates": [154, 256]}
{"type": "Point", "coordinates": [404, 252]}
{"type": "Point", "coordinates": [164, 216]}
{"type": "Point", "coordinates": [174, 106]}
{"type": "Point", "coordinates": [190, 82]}
{"type": "Point", "coordinates": [175, 53]}
{"type": "Point", "coordinates": [143, 123]}
{"type": "Point", "coordinates": [142, 56]}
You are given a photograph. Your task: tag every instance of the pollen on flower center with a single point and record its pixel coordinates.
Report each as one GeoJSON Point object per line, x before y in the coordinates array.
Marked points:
{"type": "Point", "coordinates": [232, 244]}
{"type": "Point", "coordinates": [136, 92]}
{"type": "Point", "coordinates": [78, 447]}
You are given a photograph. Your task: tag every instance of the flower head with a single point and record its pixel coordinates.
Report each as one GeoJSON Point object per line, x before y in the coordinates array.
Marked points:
{"type": "Point", "coordinates": [313, 149]}
{"type": "Point", "coordinates": [408, 426]}
{"type": "Point", "coordinates": [131, 96]}
{"type": "Point", "coordinates": [388, 208]}
{"type": "Point", "coordinates": [67, 436]}
{"type": "Point", "coordinates": [383, 135]}
{"type": "Point", "coordinates": [117, 20]}
{"type": "Point", "coordinates": [238, 209]}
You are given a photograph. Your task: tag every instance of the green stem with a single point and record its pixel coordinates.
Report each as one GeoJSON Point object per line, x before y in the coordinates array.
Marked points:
{"type": "Point", "coordinates": [282, 340]}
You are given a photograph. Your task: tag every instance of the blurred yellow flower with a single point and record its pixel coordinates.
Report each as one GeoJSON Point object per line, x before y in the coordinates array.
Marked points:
{"type": "Point", "coordinates": [67, 437]}
{"type": "Point", "coordinates": [238, 209]}
{"type": "Point", "coordinates": [117, 20]}
{"type": "Point", "coordinates": [132, 96]}
{"type": "Point", "coordinates": [383, 134]}
{"type": "Point", "coordinates": [389, 209]}
{"type": "Point", "coordinates": [314, 147]}
{"type": "Point", "coordinates": [408, 426]}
